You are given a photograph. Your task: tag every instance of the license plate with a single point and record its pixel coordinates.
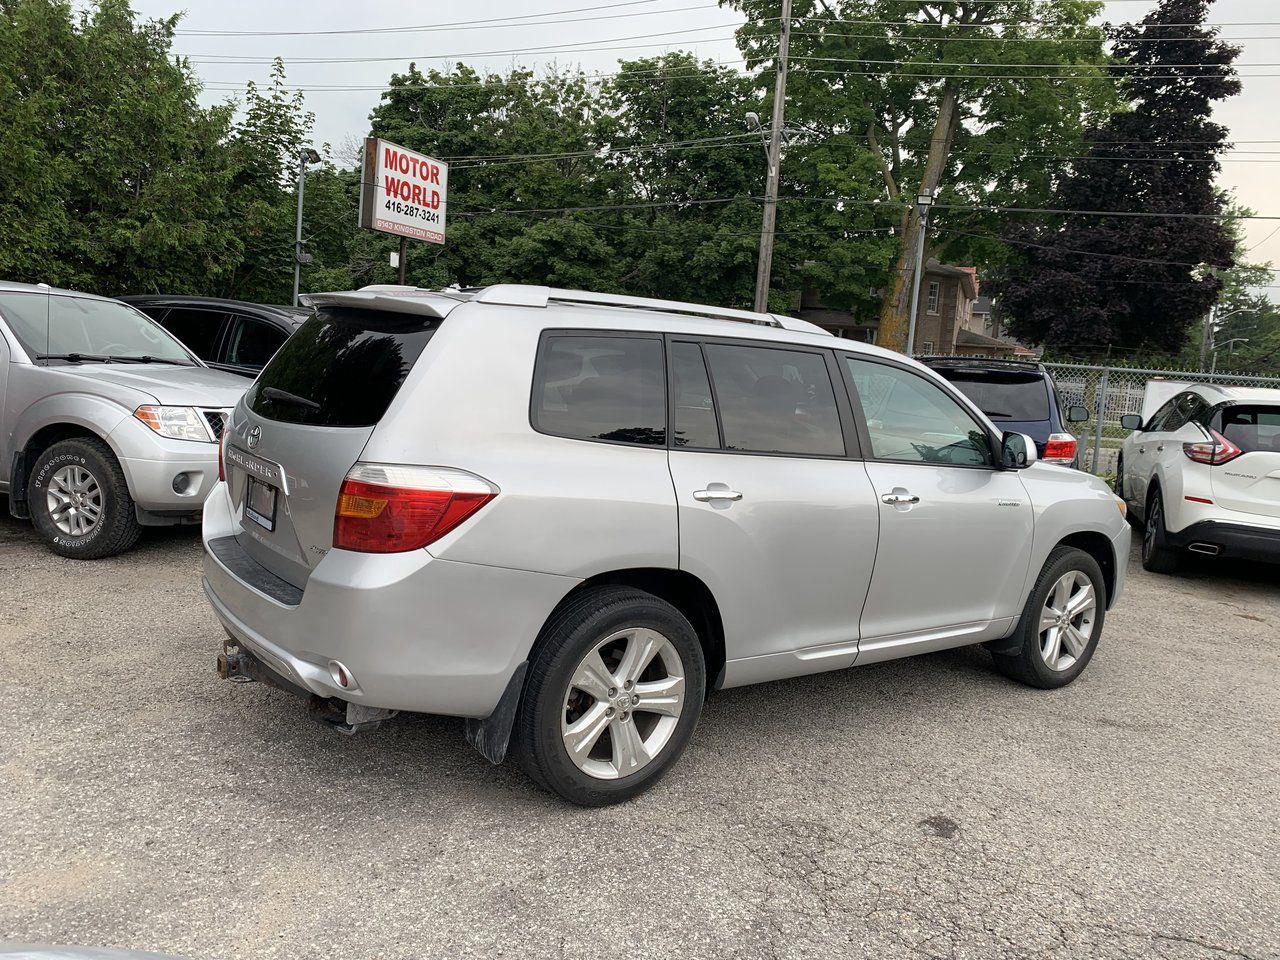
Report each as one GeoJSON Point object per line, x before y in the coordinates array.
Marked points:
{"type": "Point", "coordinates": [260, 503]}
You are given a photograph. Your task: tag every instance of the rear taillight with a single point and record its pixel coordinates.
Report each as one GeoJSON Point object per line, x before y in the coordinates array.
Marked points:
{"type": "Point", "coordinates": [222, 441]}
{"type": "Point", "coordinates": [386, 508]}
{"type": "Point", "coordinates": [1060, 448]}
{"type": "Point", "coordinates": [1217, 451]}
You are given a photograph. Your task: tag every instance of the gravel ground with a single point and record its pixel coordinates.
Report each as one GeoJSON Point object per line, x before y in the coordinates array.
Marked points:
{"type": "Point", "coordinates": [921, 808]}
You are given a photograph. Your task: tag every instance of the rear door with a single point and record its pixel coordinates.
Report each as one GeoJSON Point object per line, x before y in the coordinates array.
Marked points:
{"type": "Point", "coordinates": [776, 513]}
{"type": "Point", "coordinates": [250, 343]}
{"type": "Point", "coordinates": [303, 424]}
{"type": "Point", "coordinates": [1251, 482]}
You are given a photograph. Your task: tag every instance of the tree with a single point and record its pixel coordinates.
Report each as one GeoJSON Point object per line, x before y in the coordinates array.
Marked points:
{"type": "Point", "coordinates": [112, 178]}
{"type": "Point", "coordinates": [948, 98]}
{"type": "Point", "coordinates": [1096, 283]}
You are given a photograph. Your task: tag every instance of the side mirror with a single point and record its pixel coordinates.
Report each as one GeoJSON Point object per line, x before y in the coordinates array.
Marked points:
{"type": "Point", "coordinates": [1131, 421]}
{"type": "Point", "coordinates": [1077, 414]}
{"type": "Point", "coordinates": [1017, 451]}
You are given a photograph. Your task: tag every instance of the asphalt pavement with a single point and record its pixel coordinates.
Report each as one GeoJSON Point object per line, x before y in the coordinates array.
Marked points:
{"type": "Point", "coordinates": [922, 808]}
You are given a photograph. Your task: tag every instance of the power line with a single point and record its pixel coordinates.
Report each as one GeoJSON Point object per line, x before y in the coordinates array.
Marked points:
{"type": "Point", "coordinates": [456, 24]}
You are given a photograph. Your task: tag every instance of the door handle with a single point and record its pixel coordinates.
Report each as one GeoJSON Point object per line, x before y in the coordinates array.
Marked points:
{"type": "Point", "coordinates": [1160, 449]}
{"type": "Point", "coordinates": [894, 499]}
{"type": "Point", "coordinates": [704, 496]}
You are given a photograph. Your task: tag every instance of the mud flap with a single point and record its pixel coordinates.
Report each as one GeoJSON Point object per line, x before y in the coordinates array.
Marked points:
{"type": "Point", "coordinates": [492, 735]}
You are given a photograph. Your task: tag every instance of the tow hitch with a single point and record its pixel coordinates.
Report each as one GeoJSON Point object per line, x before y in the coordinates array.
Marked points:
{"type": "Point", "coordinates": [239, 666]}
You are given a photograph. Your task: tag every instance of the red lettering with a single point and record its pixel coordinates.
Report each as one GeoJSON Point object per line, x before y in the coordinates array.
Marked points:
{"type": "Point", "coordinates": [435, 200]}
{"type": "Point", "coordinates": [416, 193]}
{"type": "Point", "coordinates": [391, 185]}
{"type": "Point", "coordinates": [389, 157]}
{"type": "Point", "coordinates": [435, 174]}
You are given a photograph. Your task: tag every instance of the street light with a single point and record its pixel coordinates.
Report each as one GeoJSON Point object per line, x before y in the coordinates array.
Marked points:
{"type": "Point", "coordinates": [305, 157]}
{"type": "Point", "coordinates": [924, 201]}
{"type": "Point", "coordinates": [1226, 343]}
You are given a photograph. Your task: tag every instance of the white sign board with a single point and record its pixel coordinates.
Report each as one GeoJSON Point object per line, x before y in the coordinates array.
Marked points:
{"type": "Point", "coordinates": [402, 192]}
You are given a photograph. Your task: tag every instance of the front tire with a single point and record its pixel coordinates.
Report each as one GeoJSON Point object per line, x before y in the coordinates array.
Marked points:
{"type": "Point", "coordinates": [614, 692]}
{"type": "Point", "coordinates": [1157, 555]}
{"type": "Point", "coordinates": [1061, 622]}
{"type": "Point", "coordinates": [79, 500]}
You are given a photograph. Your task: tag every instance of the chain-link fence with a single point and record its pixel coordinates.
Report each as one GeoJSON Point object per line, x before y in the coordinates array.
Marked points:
{"type": "Point", "coordinates": [1108, 393]}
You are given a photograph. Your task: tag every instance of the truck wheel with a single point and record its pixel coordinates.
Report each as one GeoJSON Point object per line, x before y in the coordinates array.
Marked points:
{"type": "Point", "coordinates": [1157, 555]}
{"type": "Point", "coordinates": [79, 500]}
{"type": "Point", "coordinates": [614, 692]}
{"type": "Point", "coordinates": [1061, 622]}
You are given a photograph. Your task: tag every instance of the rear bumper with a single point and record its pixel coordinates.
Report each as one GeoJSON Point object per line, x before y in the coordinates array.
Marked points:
{"type": "Point", "coordinates": [413, 632]}
{"type": "Point", "coordinates": [1233, 540]}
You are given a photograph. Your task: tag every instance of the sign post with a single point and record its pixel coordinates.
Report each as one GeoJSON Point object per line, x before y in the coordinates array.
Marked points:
{"type": "Point", "coordinates": [402, 193]}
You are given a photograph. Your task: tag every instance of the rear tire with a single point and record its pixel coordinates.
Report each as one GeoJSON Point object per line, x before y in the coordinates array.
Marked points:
{"type": "Point", "coordinates": [639, 646]}
{"type": "Point", "coordinates": [1157, 555]}
{"type": "Point", "coordinates": [1070, 590]}
{"type": "Point", "coordinates": [79, 500]}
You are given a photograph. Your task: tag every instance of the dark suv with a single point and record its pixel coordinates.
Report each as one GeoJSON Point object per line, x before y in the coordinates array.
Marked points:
{"type": "Point", "coordinates": [228, 335]}
{"type": "Point", "coordinates": [1018, 395]}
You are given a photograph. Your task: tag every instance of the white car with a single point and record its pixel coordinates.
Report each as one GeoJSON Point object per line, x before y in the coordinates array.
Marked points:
{"type": "Point", "coordinates": [1203, 475]}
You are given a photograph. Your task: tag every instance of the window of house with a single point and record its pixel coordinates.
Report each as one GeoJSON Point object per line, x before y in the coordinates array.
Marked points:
{"type": "Point", "coordinates": [912, 420]}
{"type": "Point", "coordinates": [775, 401]}
{"type": "Point", "coordinates": [927, 347]}
{"type": "Point", "coordinates": [935, 296]}
{"type": "Point", "coordinates": [601, 388]}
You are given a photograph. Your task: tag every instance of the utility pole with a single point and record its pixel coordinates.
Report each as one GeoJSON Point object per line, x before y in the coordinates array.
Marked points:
{"type": "Point", "coordinates": [764, 266]}
{"type": "Point", "coordinates": [924, 202]}
{"type": "Point", "coordinates": [304, 157]}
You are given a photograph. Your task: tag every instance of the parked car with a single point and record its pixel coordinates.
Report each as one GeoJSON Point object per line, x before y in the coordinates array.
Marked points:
{"type": "Point", "coordinates": [107, 423]}
{"type": "Point", "coordinates": [1017, 395]}
{"type": "Point", "coordinates": [227, 335]}
{"type": "Point", "coordinates": [1203, 474]}
{"type": "Point", "coordinates": [566, 516]}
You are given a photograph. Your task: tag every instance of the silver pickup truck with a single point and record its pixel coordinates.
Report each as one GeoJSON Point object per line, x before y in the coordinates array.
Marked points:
{"type": "Point", "coordinates": [107, 423]}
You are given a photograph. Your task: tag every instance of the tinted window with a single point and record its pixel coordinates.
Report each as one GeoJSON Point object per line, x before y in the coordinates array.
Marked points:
{"type": "Point", "coordinates": [1158, 418]}
{"type": "Point", "coordinates": [344, 366]}
{"type": "Point", "coordinates": [1004, 396]}
{"type": "Point", "coordinates": [913, 420]}
{"type": "Point", "coordinates": [693, 417]}
{"type": "Point", "coordinates": [253, 342]}
{"type": "Point", "coordinates": [601, 388]}
{"type": "Point", "coordinates": [48, 325]}
{"type": "Point", "coordinates": [198, 329]}
{"type": "Point", "coordinates": [775, 401]}
{"type": "Point", "coordinates": [1253, 428]}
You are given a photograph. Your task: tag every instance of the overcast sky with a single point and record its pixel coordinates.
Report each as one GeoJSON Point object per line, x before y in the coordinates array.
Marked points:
{"type": "Point", "coordinates": [695, 25]}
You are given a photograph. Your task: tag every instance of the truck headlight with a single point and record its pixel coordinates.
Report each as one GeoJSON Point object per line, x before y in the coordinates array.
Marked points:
{"type": "Point", "coordinates": [176, 423]}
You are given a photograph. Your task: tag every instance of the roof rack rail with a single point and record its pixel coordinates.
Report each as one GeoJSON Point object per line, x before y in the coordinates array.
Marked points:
{"type": "Point", "coordinates": [520, 295]}
{"type": "Point", "coordinates": [973, 361]}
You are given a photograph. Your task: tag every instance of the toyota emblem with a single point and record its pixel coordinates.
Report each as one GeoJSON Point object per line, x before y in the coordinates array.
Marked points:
{"type": "Point", "coordinates": [255, 435]}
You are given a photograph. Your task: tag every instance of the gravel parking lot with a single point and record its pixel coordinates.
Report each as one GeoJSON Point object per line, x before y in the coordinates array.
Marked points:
{"type": "Point", "coordinates": [921, 808]}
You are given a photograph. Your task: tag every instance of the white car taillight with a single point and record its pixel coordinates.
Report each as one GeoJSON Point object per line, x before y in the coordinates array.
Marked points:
{"type": "Point", "coordinates": [1214, 452]}
{"type": "Point", "coordinates": [389, 508]}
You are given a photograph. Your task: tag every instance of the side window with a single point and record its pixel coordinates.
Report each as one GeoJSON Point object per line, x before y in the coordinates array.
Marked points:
{"type": "Point", "coordinates": [693, 415]}
{"type": "Point", "coordinates": [253, 342]}
{"type": "Point", "coordinates": [1166, 412]}
{"type": "Point", "coordinates": [601, 388]}
{"type": "Point", "coordinates": [775, 400]}
{"type": "Point", "coordinates": [1191, 406]}
{"type": "Point", "coordinates": [197, 329]}
{"type": "Point", "coordinates": [935, 295]}
{"type": "Point", "coordinates": [915, 421]}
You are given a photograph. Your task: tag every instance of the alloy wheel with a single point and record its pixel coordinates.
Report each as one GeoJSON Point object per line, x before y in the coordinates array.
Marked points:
{"type": "Point", "coordinates": [624, 701]}
{"type": "Point", "coordinates": [1155, 519]}
{"type": "Point", "coordinates": [1066, 621]}
{"type": "Point", "coordinates": [74, 499]}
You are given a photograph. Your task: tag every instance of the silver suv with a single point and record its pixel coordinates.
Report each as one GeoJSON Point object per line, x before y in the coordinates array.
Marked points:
{"type": "Point", "coordinates": [568, 516]}
{"type": "Point", "coordinates": [107, 423]}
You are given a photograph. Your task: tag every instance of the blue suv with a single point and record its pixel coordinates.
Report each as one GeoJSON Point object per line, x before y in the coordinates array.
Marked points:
{"type": "Point", "coordinates": [1018, 396]}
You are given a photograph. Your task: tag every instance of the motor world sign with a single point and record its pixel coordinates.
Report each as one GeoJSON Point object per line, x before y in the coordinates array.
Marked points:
{"type": "Point", "coordinates": [402, 192]}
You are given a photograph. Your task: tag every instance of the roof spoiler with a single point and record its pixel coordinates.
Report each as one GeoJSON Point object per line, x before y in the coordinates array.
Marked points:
{"type": "Point", "coordinates": [389, 297]}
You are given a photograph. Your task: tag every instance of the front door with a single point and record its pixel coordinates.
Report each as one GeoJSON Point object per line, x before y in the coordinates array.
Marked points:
{"type": "Point", "coordinates": [775, 515]}
{"type": "Point", "coordinates": [955, 532]}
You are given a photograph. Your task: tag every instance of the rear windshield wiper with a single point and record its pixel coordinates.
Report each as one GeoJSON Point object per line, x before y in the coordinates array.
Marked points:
{"type": "Point", "coordinates": [997, 413]}
{"type": "Point", "coordinates": [284, 396]}
{"type": "Point", "coordinates": [74, 357]}
{"type": "Point", "coordinates": [147, 358]}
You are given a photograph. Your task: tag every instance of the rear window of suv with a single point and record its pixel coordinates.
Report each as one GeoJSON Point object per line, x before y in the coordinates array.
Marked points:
{"type": "Point", "coordinates": [342, 368]}
{"type": "Point", "coordinates": [1021, 397]}
{"type": "Point", "coordinates": [1252, 428]}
